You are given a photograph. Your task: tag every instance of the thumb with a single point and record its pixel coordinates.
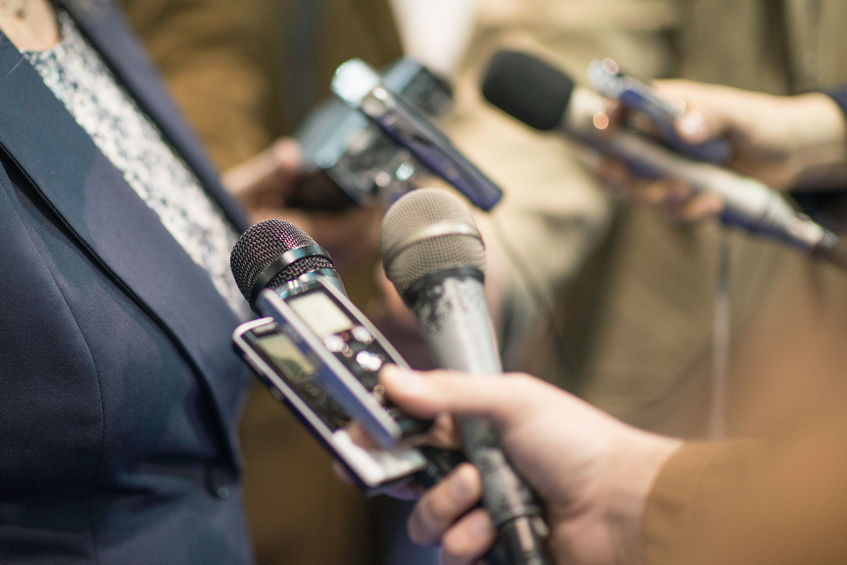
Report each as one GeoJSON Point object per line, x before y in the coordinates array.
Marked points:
{"type": "Point", "coordinates": [693, 127]}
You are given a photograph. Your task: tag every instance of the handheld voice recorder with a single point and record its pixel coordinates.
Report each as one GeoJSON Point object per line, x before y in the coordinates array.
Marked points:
{"type": "Point", "coordinates": [347, 352]}
{"type": "Point", "coordinates": [290, 372]}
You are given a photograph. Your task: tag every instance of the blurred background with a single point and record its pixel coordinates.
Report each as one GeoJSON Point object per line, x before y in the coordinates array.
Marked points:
{"type": "Point", "coordinates": [609, 298]}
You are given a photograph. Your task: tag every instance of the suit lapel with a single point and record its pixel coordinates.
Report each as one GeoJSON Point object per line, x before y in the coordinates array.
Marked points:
{"type": "Point", "coordinates": [105, 29]}
{"type": "Point", "coordinates": [121, 234]}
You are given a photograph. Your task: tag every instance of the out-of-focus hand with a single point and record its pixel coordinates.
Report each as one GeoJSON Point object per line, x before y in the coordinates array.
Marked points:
{"type": "Point", "coordinates": [265, 183]}
{"type": "Point", "coordinates": [783, 141]}
{"type": "Point", "coordinates": [262, 183]}
{"type": "Point", "coordinates": [591, 472]}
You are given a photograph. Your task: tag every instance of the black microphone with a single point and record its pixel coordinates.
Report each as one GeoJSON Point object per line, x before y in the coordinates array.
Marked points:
{"type": "Point", "coordinates": [434, 256]}
{"type": "Point", "coordinates": [361, 88]}
{"type": "Point", "coordinates": [546, 99]}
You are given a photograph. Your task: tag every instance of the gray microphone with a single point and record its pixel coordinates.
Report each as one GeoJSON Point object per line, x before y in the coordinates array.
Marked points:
{"type": "Point", "coordinates": [546, 99]}
{"type": "Point", "coordinates": [434, 255]}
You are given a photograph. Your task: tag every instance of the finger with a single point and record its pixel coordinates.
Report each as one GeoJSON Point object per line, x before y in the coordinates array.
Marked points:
{"type": "Point", "coordinates": [499, 399]}
{"type": "Point", "coordinates": [342, 473]}
{"type": "Point", "coordinates": [469, 538]}
{"type": "Point", "coordinates": [288, 157]}
{"type": "Point", "coordinates": [360, 436]}
{"type": "Point", "coordinates": [274, 169]}
{"type": "Point", "coordinates": [700, 207]}
{"type": "Point", "coordinates": [444, 504]}
{"type": "Point", "coordinates": [693, 127]}
{"type": "Point", "coordinates": [614, 175]}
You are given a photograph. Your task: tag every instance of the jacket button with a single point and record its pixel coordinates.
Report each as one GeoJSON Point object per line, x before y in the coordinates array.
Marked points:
{"type": "Point", "coordinates": [220, 480]}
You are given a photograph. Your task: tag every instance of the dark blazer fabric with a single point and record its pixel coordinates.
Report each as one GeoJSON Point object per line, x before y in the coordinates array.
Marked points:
{"type": "Point", "coordinates": [120, 385]}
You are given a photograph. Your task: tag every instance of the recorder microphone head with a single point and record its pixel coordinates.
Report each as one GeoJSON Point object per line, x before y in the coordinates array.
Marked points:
{"type": "Point", "coordinates": [528, 89]}
{"type": "Point", "coordinates": [274, 253]}
{"type": "Point", "coordinates": [426, 233]}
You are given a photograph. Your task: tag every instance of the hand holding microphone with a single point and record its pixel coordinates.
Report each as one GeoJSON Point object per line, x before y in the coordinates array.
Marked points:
{"type": "Point", "coordinates": [782, 141]}
{"type": "Point", "coordinates": [546, 99]}
{"type": "Point", "coordinates": [434, 256]}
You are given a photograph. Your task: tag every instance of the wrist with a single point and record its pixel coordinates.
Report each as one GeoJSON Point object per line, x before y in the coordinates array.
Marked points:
{"type": "Point", "coordinates": [634, 471]}
{"type": "Point", "coordinates": [816, 127]}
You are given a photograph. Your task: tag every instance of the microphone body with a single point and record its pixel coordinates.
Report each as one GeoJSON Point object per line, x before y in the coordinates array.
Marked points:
{"type": "Point", "coordinates": [749, 203]}
{"type": "Point", "coordinates": [443, 285]}
{"type": "Point", "coordinates": [453, 319]}
{"type": "Point", "coordinates": [361, 88]}
{"type": "Point", "coordinates": [546, 99]}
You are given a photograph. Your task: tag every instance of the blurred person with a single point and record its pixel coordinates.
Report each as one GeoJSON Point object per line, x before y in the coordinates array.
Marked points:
{"type": "Point", "coordinates": [122, 389]}
{"type": "Point", "coordinates": [615, 494]}
{"type": "Point", "coordinates": [279, 62]}
{"type": "Point", "coordinates": [246, 74]}
{"type": "Point", "coordinates": [646, 319]}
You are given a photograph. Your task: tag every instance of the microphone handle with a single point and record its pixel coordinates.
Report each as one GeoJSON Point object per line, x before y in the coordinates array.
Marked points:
{"type": "Point", "coordinates": [439, 464]}
{"type": "Point", "coordinates": [453, 318]}
{"type": "Point", "coordinates": [520, 528]}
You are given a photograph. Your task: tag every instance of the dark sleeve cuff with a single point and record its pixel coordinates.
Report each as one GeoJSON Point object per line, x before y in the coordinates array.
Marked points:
{"type": "Point", "coordinates": [839, 95]}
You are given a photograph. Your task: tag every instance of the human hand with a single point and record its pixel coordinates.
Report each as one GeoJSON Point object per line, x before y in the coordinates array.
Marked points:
{"type": "Point", "coordinates": [592, 472]}
{"type": "Point", "coordinates": [265, 184]}
{"type": "Point", "coordinates": [782, 141]}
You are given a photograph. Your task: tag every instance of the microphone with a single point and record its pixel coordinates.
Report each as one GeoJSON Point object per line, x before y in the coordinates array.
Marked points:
{"type": "Point", "coordinates": [546, 99]}
{"type": "Point", "coordinates": [434, 255]}
{"type": "Point", "coordinates": [361, 88]}
{"type": "Point", "coordinates": [342, 149]}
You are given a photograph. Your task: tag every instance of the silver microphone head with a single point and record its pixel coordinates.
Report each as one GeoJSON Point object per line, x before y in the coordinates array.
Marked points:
{"type": "Point", "coordinates": [427, 231]}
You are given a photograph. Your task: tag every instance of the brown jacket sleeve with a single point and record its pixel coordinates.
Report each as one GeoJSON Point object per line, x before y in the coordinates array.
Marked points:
{"type": "Point", "coordinates": [752, 502]}
{"type": "Point", "coordinates": [780, 498]}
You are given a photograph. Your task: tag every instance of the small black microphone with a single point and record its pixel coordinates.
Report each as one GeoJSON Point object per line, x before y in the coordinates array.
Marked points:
{"type": "Point", "coordinates": [276, 254]}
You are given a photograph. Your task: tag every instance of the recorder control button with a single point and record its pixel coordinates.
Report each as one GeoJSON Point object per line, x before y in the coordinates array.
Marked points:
{"type": "Point", "coordinates": [361, 334]}
{"type": "Point", "coordinates": [334, 343]}
{"type": "Point", "coordinates": [369, 361]}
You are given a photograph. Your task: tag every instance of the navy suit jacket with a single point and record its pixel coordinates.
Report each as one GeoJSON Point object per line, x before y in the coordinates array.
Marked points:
{"type": "Point", "coordinates": [120, 389]}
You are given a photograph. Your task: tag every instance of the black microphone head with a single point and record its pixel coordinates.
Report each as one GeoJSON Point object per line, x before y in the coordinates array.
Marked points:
{"type": "Point", "coordinates": [427, 231]}
{"type": "Point", "coordinates": [527, 88]}
{"type": "Point", "coordinates": [272, 253]}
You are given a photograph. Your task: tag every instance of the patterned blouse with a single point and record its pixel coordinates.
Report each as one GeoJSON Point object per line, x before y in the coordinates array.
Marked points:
{"type": "Point", "coordinates": [81, 81]}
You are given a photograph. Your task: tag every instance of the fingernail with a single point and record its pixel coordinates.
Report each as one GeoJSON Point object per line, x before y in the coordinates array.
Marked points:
{"type": "Point", "coordinates": [692, 125]}
{"type": "Point", "coordinates": [399, 377]}
{"type": "Point", "coordinates": [481, 526]}
{"type": "Point", "coordinates": [460, 489]}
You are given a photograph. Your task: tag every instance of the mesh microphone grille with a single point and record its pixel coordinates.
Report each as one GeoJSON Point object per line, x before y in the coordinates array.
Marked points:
{"type": "Point", "coordinates": [527, 88]}
{"type": "Point", "coordinates": [415, 211]}
{"type": "Point", "coordinates": [262, 244]}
